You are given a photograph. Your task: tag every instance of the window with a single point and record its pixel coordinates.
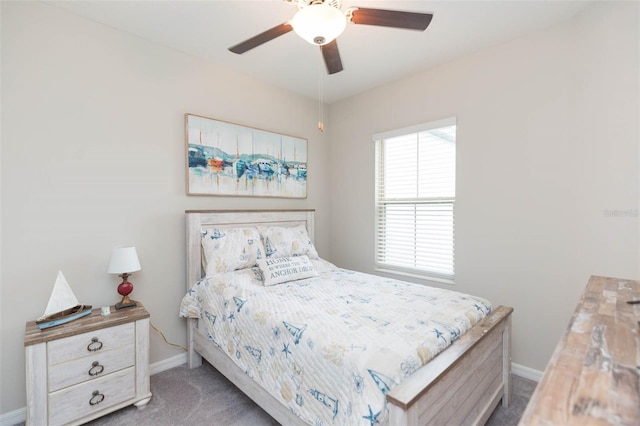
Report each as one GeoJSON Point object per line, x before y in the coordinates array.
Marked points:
{"type": "Point", "coordinates": [415, 200]}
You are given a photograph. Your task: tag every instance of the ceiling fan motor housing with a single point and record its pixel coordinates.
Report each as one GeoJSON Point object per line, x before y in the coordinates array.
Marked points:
{"type": "Point", "coordinates": [319, 22]}
{"type": "Point", "coordinates": [304, 3]}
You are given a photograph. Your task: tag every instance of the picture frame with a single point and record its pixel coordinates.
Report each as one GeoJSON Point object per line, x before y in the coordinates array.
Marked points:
{"type": "Point", "coordinates": [228, 159]}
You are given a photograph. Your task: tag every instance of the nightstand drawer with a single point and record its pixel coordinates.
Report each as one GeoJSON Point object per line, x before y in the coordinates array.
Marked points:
{"type": "Point", "coordinates": [91, 367]}
{"type": "Point", "coordinates": [94, 342]}
{"type": "Point", "coordinates": [86, 398]}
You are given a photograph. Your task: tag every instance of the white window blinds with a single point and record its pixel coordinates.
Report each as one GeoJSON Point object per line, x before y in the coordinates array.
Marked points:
{"type": "Point", "coordinates": [415, 199]}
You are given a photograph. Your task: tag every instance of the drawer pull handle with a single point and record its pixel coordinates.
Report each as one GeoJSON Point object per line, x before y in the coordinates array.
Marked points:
{"type": "Point", "coordinates": [95, 345]}
{"type": "Point", "coordinates": [96, 368]}
{"type": "Point", "coordinates": [96, 398]}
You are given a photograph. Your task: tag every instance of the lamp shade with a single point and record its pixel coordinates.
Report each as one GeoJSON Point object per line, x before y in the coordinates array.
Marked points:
{"type": "Point", "coordinates": [124, 260]}
{"type": "Point", "coordinates": [319, 23]}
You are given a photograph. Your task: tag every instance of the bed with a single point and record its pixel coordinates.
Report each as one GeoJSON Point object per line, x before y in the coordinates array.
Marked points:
{"type": "Point", "coordinates": [461, 384]}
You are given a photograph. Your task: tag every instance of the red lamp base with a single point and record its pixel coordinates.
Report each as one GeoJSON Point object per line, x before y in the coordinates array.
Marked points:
{"type": "Point", "coordinates": [124, 289]}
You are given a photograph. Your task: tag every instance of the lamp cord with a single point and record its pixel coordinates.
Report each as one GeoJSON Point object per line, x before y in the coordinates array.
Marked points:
{"type": "Point", "coordinates": [165, 338]}
{"type": "Point", "coordinates": [157, 330]}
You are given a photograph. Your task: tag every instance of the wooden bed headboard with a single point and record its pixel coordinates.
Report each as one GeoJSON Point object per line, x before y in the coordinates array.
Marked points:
{"type": "Point", "coordinates": [196, 220]}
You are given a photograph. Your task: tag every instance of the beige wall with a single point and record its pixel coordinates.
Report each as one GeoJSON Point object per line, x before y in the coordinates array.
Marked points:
{"type": "Point", "coordinates": [547, 143]}
{"type": "Point", "coordinates": [93, 157]}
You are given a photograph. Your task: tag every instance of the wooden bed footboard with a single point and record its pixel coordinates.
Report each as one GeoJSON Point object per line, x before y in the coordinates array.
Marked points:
{"type": "Point", "coordinates": [464, 383]}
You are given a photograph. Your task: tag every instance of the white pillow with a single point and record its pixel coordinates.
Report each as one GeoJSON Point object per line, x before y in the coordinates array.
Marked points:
{"type": "Point", "coordinates": [287, 241]}
{"type": "Point", "coordinates": [226, 250]}
{"type": "Point", "coordinates": [284, 269]}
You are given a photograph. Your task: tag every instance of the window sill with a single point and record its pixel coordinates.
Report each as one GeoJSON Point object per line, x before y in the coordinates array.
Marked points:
{"type": "Point", "coordinates": [422, 277]}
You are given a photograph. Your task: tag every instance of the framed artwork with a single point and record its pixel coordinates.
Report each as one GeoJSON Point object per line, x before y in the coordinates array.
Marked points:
{"type": "Point", "coordinates": [233, 160]}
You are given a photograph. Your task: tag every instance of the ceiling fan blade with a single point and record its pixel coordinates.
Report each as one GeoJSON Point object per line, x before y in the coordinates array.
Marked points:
{"type": "Point", "coordinates": [331, 57]}
{"type": "Point", "coordinates": [391, 18]}
{"type": "Point", "coordinates": [261, 38]}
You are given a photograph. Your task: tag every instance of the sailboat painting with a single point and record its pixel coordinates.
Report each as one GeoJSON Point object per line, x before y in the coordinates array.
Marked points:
{"type": "Point", "coordinates": [233, 160]}
{"type": "Point", "coordinates": [63, 305]}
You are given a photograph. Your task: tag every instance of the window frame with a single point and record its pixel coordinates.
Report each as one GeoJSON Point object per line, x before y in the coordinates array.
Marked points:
{"type": "Point", "coordinates": [379, 266]}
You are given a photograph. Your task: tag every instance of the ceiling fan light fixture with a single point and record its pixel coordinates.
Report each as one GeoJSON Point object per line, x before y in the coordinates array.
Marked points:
{"type": "Point", "coordinates": [319, 24]}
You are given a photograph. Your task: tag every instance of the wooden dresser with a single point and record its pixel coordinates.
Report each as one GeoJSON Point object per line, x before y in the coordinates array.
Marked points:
{"type": "Point", "coordinates": [593, 377]}
{"type": "Point", "coordinates": [88, 367]}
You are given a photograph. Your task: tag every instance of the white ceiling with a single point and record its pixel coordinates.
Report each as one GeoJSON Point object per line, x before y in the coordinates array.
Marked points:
{"type": "Point", "coordinates": [370, 55]}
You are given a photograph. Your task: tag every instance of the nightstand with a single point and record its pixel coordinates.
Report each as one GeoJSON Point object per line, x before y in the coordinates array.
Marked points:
{"type": "Point", "coordinates": [87, 368]}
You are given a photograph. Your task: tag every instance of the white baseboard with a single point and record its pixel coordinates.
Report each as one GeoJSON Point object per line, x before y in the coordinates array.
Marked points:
{"type": "Point", "coordinates": [526, 372]}
{"type": "Point", "coordinates": [14, 417]}
{"type": "Point", "coordinates": [178, 360]}
{"type": "Point", "coordinates": [160, 366]}
{"type": "Point", "coordinates": [20, 415]}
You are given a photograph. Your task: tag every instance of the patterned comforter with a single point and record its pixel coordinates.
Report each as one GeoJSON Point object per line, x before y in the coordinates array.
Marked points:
{"type": "Point", "coordinates": [330, 347]}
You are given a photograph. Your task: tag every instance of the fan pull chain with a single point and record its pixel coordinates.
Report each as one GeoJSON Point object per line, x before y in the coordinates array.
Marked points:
{"type": "Point", "coordinates": [320, 99]}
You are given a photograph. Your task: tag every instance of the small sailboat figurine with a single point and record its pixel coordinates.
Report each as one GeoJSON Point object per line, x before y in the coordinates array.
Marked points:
{"type": "Point", "coordinates": [63, 305]}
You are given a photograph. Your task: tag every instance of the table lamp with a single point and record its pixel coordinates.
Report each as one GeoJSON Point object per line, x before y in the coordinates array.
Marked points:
{"type": "Point", "coordinates": [124, 261]}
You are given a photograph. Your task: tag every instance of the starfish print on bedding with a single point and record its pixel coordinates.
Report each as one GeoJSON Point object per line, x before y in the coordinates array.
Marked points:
{"type": "Point", "coordinates": [285, 349]}
{"type": "Point", "coordinates": [373, 418]}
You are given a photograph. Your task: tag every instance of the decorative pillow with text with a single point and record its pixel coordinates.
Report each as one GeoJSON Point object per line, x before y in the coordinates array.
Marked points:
{"type": "Point", "coordinates": [283, 269]}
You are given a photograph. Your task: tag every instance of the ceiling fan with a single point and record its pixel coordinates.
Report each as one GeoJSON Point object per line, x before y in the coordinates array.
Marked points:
{"type": "Point", "coordinates": [320, 21]}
